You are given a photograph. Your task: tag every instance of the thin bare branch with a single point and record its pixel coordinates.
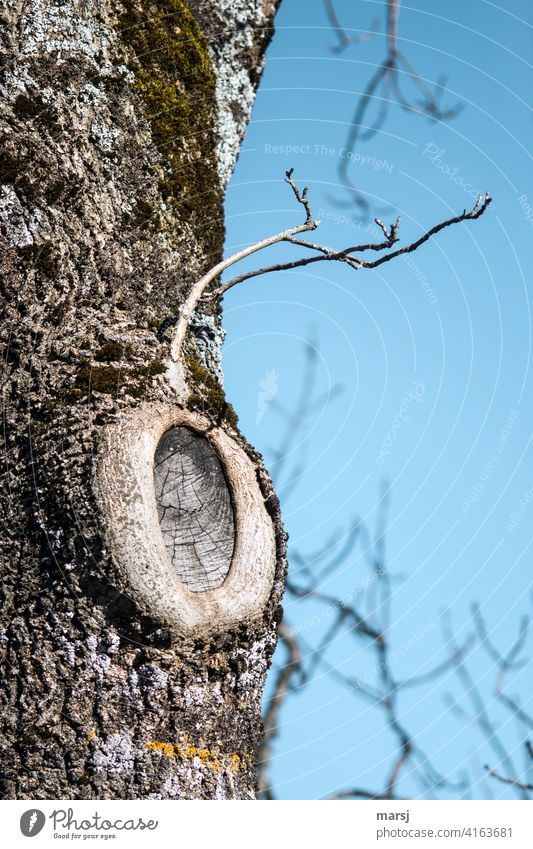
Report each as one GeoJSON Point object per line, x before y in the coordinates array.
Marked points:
{"type": "Point", "coordinates": [505, 663]}
{"type": "Point", "coordinates": [346, 254]}
{"type": "Point", "coordinates": [344, 40]}
{"type": "Point", "coordinates": [301, 196]}
{"type": "Point", "coordinates": [438, 671]}
{"type": "Point", "coordinates": [356, 793]}
{"type": "Point", "coordinates": [509, 661]}
{"type": "Point", "coordinates": [477, 210]}
{"type": "Point", "coordinates": [397, 767]}
{"type": "Point", "coordinates": [479, 708]}
{"type": "Point", "coordinates": [513, 782]}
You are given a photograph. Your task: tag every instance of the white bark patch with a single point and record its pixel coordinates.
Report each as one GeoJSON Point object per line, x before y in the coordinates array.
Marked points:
{"type": "Point", "coordinates": [12, 219]}
{"type": "Point", "coordinates": [116, 755]}
{"type": "Point", "coordinates": [104, 136]}
{"type": "Point", "coordinates": [127, 495]}
{"type": "Point", "coordinates": [62, 29]}
{"type": "Point", "coordinates": [194, 508]}
{"type": "Point", "coordinates": [234, 88]}
{"type": "Point", "coordinates": [152, 677]}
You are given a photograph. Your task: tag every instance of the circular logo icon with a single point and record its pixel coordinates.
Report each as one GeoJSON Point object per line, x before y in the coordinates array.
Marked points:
{"type": "Point", "coordinates": [32, 822]}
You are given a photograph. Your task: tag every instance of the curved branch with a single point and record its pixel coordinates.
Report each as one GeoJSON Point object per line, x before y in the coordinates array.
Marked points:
{"type": "Point", "coordinates": [201, 285]}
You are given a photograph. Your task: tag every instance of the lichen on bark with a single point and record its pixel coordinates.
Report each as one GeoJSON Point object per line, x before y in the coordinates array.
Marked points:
{"type": "Point", "coordinates": [175, 78]}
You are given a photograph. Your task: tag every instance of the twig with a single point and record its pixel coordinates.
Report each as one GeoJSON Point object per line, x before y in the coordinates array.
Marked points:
{"type": "Point", "coordinates": [513, 782]}
{"type": "Point", "coordinates": [344, 40]}
{"type": "Point", "coordinates": [481, 716]}
{"type": "Point", "coordinates": [345, 255]}
{"type": "Point", "coordinates": [356, 793]}
{"type": "Point", "coordinates": [478, 209]}
{"type": "Point", "coordinates": [505, 663]}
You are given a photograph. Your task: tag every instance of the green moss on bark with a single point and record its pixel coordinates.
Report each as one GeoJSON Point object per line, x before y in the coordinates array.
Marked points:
{"type": "Point", "coordinates": [109, 380]}
{"type": "Point", "coordinates": [174, 77]}
{"type": "Point", "coordinates": [110, 352]}
{"type": "Point", "coordinates": [207, 395]}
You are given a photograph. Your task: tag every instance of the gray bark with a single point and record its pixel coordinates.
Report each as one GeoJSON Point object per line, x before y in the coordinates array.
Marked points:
{"type": "Point", "coordinates": [121, 123]}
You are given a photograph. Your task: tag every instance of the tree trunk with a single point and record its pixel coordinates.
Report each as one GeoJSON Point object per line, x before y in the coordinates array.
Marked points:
{"type": "Point", "coordinates": [142, 551]}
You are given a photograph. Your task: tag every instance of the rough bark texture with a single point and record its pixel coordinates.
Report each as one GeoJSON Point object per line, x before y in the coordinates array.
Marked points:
{"type": "Point", "coordinates": [121, 123]}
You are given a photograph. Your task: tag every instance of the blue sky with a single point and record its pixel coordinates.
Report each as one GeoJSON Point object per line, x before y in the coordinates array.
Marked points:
{"type": "Point", "coordinates": [433, 355]}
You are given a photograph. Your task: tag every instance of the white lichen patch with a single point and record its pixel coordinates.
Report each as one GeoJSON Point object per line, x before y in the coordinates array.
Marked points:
{"type": "Point", "coordinates": [38, 227]}
{"type": "Point", "coordinates": [16, 80]}
{"type": "Point", "coordinates": [131, 683]}
{"type": "Point", "coordinates": [234, 90]}
{"type": "Point", "coordinates": [61, 29]}
{"type": "Point", "coordinates": [115, 755]}
{"type": "Point", "coordinates": [70, 650]}
{"type": "Point", "coordinates": [91, 95]}
{"type": "Point", "coordinates": [194, 695]}
{"type": "Point", "coordinates": [171, 787]}
{"type": "Point", "coordinates": [104, 136]}
{"type": "Point", "coordinates": [100, 652]}
{"type": "Point", "coordinates": [151, 676]}
{"type": "Point", "coordinates": [12, 221]}
{"type": "Point", "coordinates": [208, 338]}
{"type": "Point", "coordinates": [252, 676]}
{"type": "Point", "coordinates": [220, 788]}
{"type": "Point", "coordinates": [113, 643]}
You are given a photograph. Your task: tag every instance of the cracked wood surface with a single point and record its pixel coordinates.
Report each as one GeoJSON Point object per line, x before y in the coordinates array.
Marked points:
{"type": "Point", "coordinates": [194, 508]}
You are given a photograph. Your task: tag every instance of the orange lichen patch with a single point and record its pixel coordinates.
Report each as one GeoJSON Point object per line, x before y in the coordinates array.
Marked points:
{"type": "Point", "coordinates": [91, 735]}
{"type": "Point", "coordinates": [216, 761]}
{"type": "Point", "coordinates": [166, 749]}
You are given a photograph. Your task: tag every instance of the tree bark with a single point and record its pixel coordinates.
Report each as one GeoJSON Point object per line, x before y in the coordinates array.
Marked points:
{"type": "Point", "coordinates": [121, 126]}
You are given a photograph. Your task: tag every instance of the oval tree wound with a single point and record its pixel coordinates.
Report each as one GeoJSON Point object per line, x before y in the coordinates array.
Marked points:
{"type": "Point", "coordinates": [226, 529]}
{"type": "Point", "coordinates": [194, 508]}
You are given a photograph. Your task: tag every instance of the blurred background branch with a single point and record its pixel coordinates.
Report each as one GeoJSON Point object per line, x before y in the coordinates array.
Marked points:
{"type": "Point", "coordinates": [365, 615]}
{"type": "Point", "coordinates": [394, 82]}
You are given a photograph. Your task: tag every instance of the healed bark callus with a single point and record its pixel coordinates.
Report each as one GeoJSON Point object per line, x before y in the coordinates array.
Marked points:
{"type": "Point", "coordinates": [126, 487]}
